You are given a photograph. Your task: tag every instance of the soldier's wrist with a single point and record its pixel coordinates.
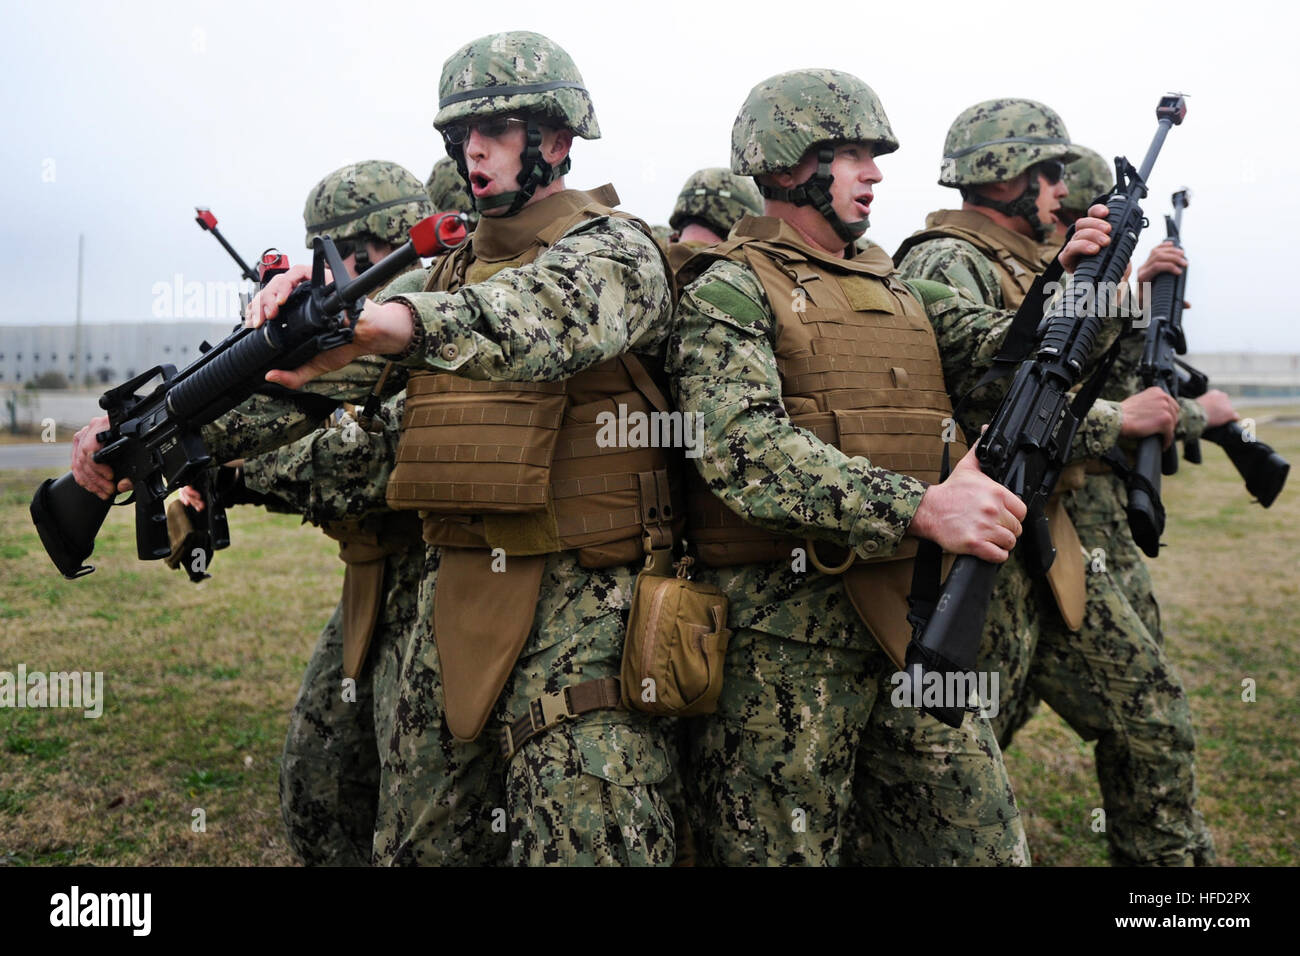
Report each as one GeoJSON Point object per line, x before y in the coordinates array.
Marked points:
{"type": "Point", "coordinates": [415, 348]}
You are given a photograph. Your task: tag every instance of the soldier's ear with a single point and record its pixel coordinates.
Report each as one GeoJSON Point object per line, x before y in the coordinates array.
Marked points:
{"type": "Point", "coordinates": [782, 180]}
{"type": "Point", "coordinates": [556, 144]}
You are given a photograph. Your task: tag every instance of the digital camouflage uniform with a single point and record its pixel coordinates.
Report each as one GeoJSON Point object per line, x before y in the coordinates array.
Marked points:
{"type": "Point", "coordinates": [1110, 680]}
{"type": "Point", "coordinates": [329, 772]}
{"type": "Point", "coordinates": [587, 791]}
{"type": "Point", "coordinates": [806, 761]}
{"type": "Point", "coordinates": [330, 767]}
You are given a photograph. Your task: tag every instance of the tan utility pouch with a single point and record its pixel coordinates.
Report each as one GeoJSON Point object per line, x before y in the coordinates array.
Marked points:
{"type": "Point", "coordinates": [476, 448]}
{"type": "Point", "coordinates": [675, 646]}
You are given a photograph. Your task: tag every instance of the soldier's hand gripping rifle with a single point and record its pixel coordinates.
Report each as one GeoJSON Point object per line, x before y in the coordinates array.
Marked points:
{"type": "Point", "coordinates": [198, 533]}
{"type": "Point", "coordinates": [1264, 471]}
{"type": "Point", "coordinates": [1028, 442]}
{"type": "Point", "coordinates": [154, 439]}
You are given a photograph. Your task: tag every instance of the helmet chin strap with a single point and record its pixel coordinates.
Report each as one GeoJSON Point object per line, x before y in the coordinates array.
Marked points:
{"type": "Point", "coordinates": [1025, 205]}
{"type": "Point", "coordinates": [816, 192]}
{"type": "Point", "coordinates": [534, 172]}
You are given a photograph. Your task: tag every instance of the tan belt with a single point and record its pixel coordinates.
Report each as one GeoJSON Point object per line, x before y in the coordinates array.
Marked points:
{"type": "Point", "coordinates": [1095, 466]}
{"type": "Point", "coordinates": [551, 710]}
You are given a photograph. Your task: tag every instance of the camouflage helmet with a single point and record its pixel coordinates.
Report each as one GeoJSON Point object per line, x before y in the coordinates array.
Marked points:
{"type": "Point", "coordinates": [718, 198]}
{"type": "Point", "coordinates": [517, 72]}
{"type": "Point", "coordinates": [1087, 177]}
{"type": "Point", "coordinates": [374, 196]}
{"type": "Point", "coordinates": [447, 190]}
{"type": "Point", "coordinates": [786, 114]}
{"type": "Point", "coordinates": [997, 140]}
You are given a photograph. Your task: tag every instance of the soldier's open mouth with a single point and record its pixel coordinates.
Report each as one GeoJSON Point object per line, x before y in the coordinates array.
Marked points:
{"type": "Point", "coordinates": [479, 182]}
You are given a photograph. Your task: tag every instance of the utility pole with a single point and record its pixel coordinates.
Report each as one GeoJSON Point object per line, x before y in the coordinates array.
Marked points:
{"type": "Point", "coordinates": [78, 377]}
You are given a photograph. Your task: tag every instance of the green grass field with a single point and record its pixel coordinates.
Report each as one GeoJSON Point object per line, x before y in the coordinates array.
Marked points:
{"type": "Point", "coordinates": [199, 681]}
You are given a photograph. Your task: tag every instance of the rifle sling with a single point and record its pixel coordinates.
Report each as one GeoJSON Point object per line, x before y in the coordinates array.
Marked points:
{"type": "Point", "coordinates": [1023, 332]}
{"type": "Point", "coordinates": [314, 406]}
{"type": "Point", "coordinates": [927, 570]}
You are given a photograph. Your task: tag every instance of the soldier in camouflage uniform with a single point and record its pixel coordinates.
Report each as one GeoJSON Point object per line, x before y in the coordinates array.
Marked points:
{"type": "Point", "coordinates": [806, 703]}
{"type": "Point", "coordinates": [710, 203]}
{"type": "Point", "coordinates": [1103, 671]}
{"type": "Point", "coordinates": [329, 771]}
{"type": "Point", "coordinates": [553, 285]}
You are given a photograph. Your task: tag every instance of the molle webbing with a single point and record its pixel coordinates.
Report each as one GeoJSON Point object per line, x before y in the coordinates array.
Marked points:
{"type": "Point", "coordinates": [860, 369]}
{"type": "Point", "coordinates": [518, 465]}
{"type": "Point", "coordinates": [481, 447]}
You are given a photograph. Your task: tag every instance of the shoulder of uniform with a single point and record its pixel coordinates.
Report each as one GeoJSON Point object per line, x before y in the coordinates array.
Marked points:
{"type": "Point", "coordinates": [731, 287]}
{"type": "Point", "coordinates": [413, 280]}
{"type": "Point", "coordinates": [935, 294]}
{"type": "Point", "coordinates": [933, 253]}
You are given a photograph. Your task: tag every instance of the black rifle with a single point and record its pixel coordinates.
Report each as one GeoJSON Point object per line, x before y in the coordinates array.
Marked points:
{"type": "Point", "coordinates": [154, 439]}
{"type": "Point", "coordinates": [1264, 471]}
{"type": "Point", "coordinates": [209, 529]}
{"type": "Point", "coordinates": [1028, 442]}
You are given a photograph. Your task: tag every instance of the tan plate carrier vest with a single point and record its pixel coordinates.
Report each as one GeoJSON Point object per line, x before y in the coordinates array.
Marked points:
{"type": "Point", "coordinates": [517, 466]}
{"type": "Point", "coordinates": [860, 369]}
{"type": "Point", "coordinates": [1018, 260]}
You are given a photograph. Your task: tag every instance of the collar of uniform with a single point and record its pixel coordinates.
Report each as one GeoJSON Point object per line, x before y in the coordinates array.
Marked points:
{"type": "Point", "coordinates": [506, 237]}
{"type": "Point", "coordinates": [1024, 248]}
{"type": "Point", "coordinates": [778, 232]}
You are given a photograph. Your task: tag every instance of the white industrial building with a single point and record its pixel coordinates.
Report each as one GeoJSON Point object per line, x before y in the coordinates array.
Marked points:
{"type": "Point", "coordinates": [110, 353]}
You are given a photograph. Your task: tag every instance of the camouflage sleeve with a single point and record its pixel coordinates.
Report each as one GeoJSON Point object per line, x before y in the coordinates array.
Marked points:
{"type": "Point", "coordinates": [600, 290]}
{"type": "Point", "coordinates": [1192, 420]}
{"type": "Point", "coordinates": [263, 423]}
{"type": "Point", "coordinates": [774, 474]}
{"type": "Point", "coordinates": [956, 263]}
{"type": "Point", "coordinates": [969, 336]}
{"type": "Point", "coordinates": [1098, 432]}
{"type": "Point", "coordinates": [412, 281]}
{"type": "Point", "coordinates": [334, 473]}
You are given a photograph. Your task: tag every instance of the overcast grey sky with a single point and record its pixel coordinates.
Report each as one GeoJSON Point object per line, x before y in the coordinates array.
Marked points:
{"type": "Point", "coordinates": [121, 117]}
